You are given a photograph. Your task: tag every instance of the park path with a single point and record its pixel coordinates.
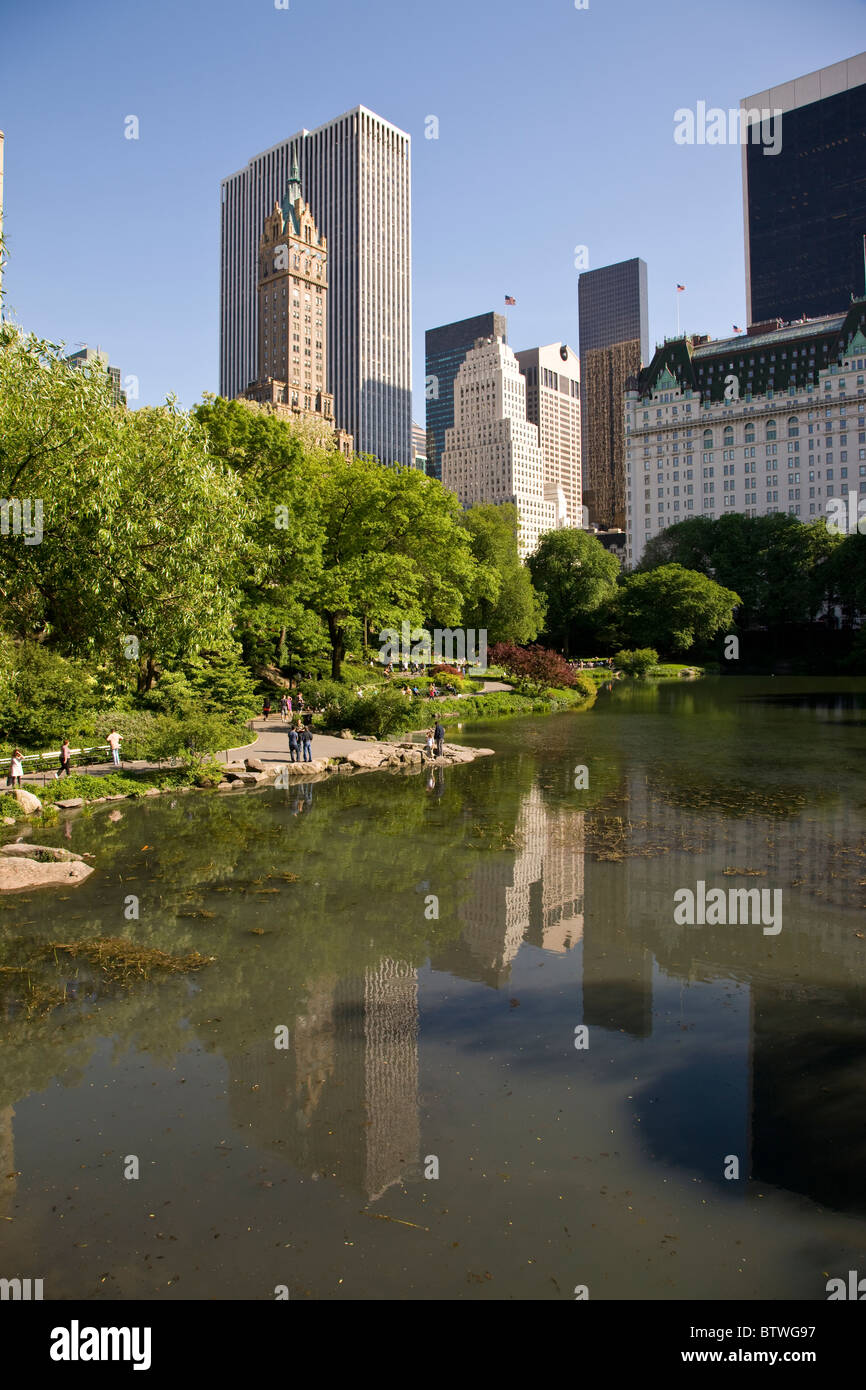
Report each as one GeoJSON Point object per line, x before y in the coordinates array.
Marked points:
{"type": "Point", "coordinates": [270, 745]}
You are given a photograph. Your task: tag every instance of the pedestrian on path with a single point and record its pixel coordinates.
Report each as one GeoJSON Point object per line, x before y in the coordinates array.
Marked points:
{"type": "Point", "coordinates": [114, 739]}
{"type": "Point", "coordinates": [307, 745]}
{"type": "Point", "coordinates": [439, 739]}
{"type": "Point", "coordinates": [293, 745]}
{"type": "Point", "coordinates": [266, 708]}
{"type": "Point", "coordinates": [16, 769]}
{"type": "Point", "coordinates": [65, 759]}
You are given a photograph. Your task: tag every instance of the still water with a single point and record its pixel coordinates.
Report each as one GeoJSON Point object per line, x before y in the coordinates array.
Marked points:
{"type": "Point", "coordinates": [421, 1044]}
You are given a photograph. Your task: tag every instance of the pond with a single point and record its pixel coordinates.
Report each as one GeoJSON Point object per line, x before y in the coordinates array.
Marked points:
{"type": "Point", "coordinates": [453, 1042]}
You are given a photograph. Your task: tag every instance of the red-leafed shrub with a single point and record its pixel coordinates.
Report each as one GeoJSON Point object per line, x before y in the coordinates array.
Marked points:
{"type": "Point", "coordinates": [532, 669]}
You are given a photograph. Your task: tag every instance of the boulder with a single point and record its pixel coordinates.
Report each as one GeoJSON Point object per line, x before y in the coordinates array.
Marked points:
{"type": "Point", "coordinates": [71, 803]}
{"type": "Point", "coordinates": [29, 803]}
{"type": "Point", "coordinates": [19, 873]}
{"type": "Point", "coordinates": [225, 786]}
{"type": "Point", "coordinates": [231, 768]}
{"type": "Point", "coordinates": [367, 758]}
{"type": "Point", "coordinates": [153, 791]}
{"type": "Point", "coordinates": [28, 850]}
{"type": "Point", "coordinates": [254, 765]}
{"type": "Point", "coordinates": [9, 820]}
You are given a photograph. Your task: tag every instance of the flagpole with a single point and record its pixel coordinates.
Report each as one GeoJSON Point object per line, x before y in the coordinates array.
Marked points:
{"type": "Point", "coordinates": [677, 296]}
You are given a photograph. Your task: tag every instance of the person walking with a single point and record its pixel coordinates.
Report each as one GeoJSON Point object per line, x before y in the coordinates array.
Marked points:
{"type": "Point", "coordinates": [293, 744]}
{"type": "Point", "coordinates": [266, 708]}
{"type": "Point", "coordinates": [16, 769]}
{"type": "Point", "coordinates": [283, 710]}
{"type": "Point", "coordinates": [65, 759]}
{"type": "Point", "coordinates": [307, 737]}
{"type": "Point", "coordinates": [289, 707]}
{"type": "Point", "coordinates": [114, 740]}
{"type": "Point", "coordinates": [439, 739]}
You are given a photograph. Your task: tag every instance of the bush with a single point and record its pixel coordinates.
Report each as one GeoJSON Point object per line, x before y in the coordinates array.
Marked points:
{"type": "Point", "coordinates": [637, 662]}
{"type": "Point", "coordinates": [533, 669]}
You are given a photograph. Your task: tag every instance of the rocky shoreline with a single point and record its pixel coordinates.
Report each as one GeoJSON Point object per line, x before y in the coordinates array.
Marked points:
{"type": "Point", "coordinates": [24, 865]}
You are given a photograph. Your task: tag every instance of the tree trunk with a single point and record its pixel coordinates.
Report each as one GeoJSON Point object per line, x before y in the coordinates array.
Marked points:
{"type": "Point", "coordinates": [338, 647]}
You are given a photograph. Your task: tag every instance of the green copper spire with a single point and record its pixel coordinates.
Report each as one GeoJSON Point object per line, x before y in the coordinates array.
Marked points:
{"type": "Point", "coordinates": [293, 192]}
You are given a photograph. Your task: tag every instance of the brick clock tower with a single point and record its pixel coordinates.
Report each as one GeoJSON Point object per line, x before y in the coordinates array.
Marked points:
{"type": "Point", "coordinates": [293, 316]}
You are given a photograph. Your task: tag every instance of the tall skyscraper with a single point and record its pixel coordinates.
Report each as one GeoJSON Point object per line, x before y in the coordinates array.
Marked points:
{"type": "Point", "coordinates": [804, 207]}
{"type": "Point", "coordinates": [614, 341]}
{"type": "Point", "coordinates": [492, 452]}
{"type": "Point", "coordinates": [553, 404]}
{"type": "Point", "coordinates": [445, 352]}
{"type": "Point", "coordinates": [355, 172]}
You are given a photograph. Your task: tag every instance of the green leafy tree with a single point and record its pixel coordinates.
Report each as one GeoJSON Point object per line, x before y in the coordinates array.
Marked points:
{"type": "Point", "coordinates": [672, 608]}
{"type": "Point", "coordinates": [504, 601]}
{"type": "Point", "coordinates": [575, 576]}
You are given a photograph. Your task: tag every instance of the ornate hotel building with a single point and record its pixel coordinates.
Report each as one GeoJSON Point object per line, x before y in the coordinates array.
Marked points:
{"type": "Point", "coordinates": [772, 420]}
{"type": "Point", "coordinates": [292, 355]}
{"type": "Point", "coordinates": [355, 173]}
{"type": "Point", "coordinates": [492, 453]}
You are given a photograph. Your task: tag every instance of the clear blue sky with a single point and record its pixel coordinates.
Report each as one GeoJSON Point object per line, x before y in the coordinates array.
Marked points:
{"type": "Point", "coordinates": [556, 129]}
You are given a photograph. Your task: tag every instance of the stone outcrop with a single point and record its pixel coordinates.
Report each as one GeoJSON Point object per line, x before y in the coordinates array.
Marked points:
{"type": "Point", "coordinates": [29, 803]}
{"type": "Point", "coordinates": [24, 866]}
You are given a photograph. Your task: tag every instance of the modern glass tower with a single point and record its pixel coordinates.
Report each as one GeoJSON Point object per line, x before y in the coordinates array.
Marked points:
{"type": "Point", "coordinates": [804, 208]}
{"type": "Point", "coordinates": [614, 341]}
{"type": "Point", "coordinates": [445, 352]}
{"type": "Point", "coordinates": [355, 173]}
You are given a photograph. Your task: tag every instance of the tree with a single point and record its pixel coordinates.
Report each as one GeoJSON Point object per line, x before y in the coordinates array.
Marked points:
{"type": "Point", "coordinates": [575, 575]}
{"type": "Point", "coordinates": [775, 562]}
{"type": "Point", "coordinates": [672, 608]}
{"type": "Point", "coordinates": [503, 602]}
{"type": "Point", "coordinates": [139, 527]}
{"type": "Point", "coordinates": [392, 549]}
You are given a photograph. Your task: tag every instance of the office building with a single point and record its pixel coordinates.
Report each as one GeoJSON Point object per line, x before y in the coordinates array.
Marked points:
{"type": "Point", "coordinates": [355, 174]}
{"type": "Point", "coordinates": [614, 342]}
{"type": "Point", "coordinates": [292, 377]}
{"type": "Point", "coordinates": [419, 447]}
{"type": "Point", "coordinates": [445, 353]}
{"type": "Point", "coordinates": [492, 452]}
{"type": "Point", "coordinates": [87, 357]}
{"type": "Point", "coordinates": [770, 421]}
{"type": "Point", "coordinates": [553, 404]}
{"type": "Point", "coordinates": [804, 206]}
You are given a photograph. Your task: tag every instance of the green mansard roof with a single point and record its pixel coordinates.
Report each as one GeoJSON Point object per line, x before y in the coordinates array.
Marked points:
{"type": "Point", "coordinates": [792, 355]}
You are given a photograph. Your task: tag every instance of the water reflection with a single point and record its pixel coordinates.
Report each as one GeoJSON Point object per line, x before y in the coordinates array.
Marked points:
{"type": "Point", "coordinates": [313, 903]}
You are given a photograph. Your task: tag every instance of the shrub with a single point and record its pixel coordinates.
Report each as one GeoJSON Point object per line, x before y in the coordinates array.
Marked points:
{"type": "Point", "coordinates": [533, 669]}
{"type": "Point", "coordinates": [637, 662]}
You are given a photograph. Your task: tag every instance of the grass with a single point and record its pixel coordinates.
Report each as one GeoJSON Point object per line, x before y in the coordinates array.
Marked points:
{"type": "Point", "coordinates": [124, 962]}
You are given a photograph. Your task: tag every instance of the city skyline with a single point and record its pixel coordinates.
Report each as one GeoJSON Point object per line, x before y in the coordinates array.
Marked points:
{"type": "Point", "coordinates": [146, 247]}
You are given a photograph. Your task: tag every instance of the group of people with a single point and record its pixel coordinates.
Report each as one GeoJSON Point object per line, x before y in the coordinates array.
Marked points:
{"type": "Point", "coordinates": [16, 767]}
{"type": "Point", "coordinates": [301, 742]}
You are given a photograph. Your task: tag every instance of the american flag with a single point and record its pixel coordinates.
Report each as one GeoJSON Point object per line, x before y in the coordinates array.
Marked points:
{"type": "Point", "coordinates": [509, 300]}
{"type": "Point", "coordinates": [680, 287]}
{"type": "Point", "coordinates": [737, 328]}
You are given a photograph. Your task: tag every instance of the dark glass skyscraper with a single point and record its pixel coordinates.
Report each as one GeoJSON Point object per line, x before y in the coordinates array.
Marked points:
{"type": "Point", "coordinates": [805, 206]}
{"type": "Point", "coordinates": [445, 351]}
{"type": "Point", "coordinates": [614, 341]}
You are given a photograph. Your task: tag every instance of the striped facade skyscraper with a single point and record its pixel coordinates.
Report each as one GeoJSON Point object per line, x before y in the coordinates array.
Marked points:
{"type": "Point", "coordinates": [355, 172]}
